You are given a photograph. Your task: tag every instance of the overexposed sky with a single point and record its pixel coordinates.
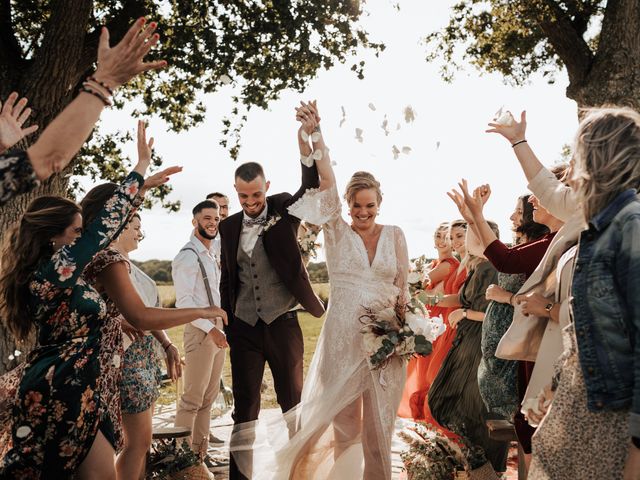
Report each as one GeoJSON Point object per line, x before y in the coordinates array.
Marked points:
{"type": "Point", "coordinates": [447, 138]}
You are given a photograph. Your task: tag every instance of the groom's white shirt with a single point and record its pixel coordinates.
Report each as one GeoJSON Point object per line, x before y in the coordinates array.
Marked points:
{"type": "Point", "coordinates": [249, 234]}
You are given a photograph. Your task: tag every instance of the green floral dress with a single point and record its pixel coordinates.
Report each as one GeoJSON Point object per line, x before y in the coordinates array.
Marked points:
{"type": "Point", "coordinates": [60, 400]}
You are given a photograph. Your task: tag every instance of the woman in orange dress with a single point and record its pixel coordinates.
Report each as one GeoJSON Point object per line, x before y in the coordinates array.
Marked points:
{"type": "Point", "coordinates": [458, 232]}
{"type": "Point", "coordinates": [439, 272]}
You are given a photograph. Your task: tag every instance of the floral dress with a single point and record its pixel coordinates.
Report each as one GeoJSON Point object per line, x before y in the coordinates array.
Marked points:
{"type": "Point", "coordinates": [141, 374]}
{"type": "Point", "coordinates": [497, 378]}
{"type": "Point", "coordinates": [16, 175]}
{"type": "Point", "coordinates": [61, 399]}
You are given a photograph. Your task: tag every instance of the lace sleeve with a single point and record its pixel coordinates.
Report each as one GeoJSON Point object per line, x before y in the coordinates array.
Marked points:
{"type": "Point", "coordinates": [402, 261]}
{"type": "Point", "coordinates": [318, 207]}
{"type": "Point", "coordinates": [67, 264]}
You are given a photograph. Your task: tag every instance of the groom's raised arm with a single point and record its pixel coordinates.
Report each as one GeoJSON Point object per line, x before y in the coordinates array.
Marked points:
{"type": "Point", "coordinates": [310, 178]}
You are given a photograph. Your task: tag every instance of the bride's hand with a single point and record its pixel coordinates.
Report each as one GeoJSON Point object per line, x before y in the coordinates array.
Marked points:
{"type": "Point", "coordinates": [306, 114]}
{"type": "Point", "coordinates": [514, 132]}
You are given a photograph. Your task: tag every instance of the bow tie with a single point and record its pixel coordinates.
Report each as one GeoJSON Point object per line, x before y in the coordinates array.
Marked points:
{"type": "Point", "coordinates": [252, 222]}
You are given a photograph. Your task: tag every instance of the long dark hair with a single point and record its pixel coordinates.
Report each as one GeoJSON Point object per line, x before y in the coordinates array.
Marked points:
{"type": "Point", "coordinates": [532, 230]}
{"type": "Point", "coordinates": [94, 201]}
{"type": "Point", "coordinates": [26, 246]}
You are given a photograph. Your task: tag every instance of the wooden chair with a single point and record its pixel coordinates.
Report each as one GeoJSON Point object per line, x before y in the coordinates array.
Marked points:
{"type": "Point", "coordinates": [504, 431]}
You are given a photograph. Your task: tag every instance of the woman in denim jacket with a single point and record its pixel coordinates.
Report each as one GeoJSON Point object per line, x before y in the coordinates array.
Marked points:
{"type": "Point", "coordinates": [593, 429]}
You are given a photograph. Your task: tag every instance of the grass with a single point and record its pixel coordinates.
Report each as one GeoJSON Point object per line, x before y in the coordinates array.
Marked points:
{"type": "Point", "coordinates": [310, 325]}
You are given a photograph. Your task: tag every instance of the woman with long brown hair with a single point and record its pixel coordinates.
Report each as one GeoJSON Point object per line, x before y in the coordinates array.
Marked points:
{"type": "Point", "coordinates": [57, 418]}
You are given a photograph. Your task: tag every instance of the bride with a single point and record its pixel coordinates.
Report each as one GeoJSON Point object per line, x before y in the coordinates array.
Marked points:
{"type": "Point", "coordinates": [343, 427]}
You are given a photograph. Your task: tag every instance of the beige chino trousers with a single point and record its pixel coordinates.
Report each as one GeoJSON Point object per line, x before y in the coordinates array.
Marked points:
{"type": "Point", "coordinates": [201, 379]}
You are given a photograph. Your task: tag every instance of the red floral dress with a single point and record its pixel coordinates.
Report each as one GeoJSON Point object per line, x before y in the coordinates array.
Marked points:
{"type": "Point", "coordinates": [59, 401]}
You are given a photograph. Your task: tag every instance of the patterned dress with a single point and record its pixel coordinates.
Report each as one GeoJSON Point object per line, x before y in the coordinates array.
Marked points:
{"type": "Point", "coordinates": [497, 378]}
{"type": "Point", "coordinates": [16, 175]}
{"type": "Point", "coordinates": [141, 373]}
{"type": "Point", "coordinates": [60, 400]}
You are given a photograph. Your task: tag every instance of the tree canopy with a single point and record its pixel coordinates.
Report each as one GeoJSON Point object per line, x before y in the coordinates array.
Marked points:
{"type": "Point", "coordinates": [597, 41]}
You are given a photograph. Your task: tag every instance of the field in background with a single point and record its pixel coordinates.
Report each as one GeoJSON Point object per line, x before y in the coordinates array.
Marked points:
{"type": "Point", "coordinates": [310, 325]}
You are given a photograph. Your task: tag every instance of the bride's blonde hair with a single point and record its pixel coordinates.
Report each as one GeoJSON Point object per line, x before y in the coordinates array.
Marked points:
{"type": "Point", "coordinates": [362, 181]}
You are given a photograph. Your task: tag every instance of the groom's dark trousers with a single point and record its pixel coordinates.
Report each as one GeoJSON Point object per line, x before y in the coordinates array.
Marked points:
{"type": "Point", "coordinates": [281, 345]}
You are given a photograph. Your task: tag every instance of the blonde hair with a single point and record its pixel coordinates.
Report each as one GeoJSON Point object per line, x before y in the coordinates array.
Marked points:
{"type": "Point", "coordinates": [606, 156]}
{"type": "Point", "coordinates": [362, 181]}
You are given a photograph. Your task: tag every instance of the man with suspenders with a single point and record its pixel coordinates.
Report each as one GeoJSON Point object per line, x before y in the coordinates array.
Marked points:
{"type": "Point", "coordinates": [196, 277]}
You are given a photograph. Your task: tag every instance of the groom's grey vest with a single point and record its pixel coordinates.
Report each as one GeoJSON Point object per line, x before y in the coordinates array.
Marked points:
{"type": "Point", "coordinates": [261, 293]}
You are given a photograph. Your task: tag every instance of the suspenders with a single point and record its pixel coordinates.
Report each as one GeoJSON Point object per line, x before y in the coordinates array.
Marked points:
{"type": "Point", "coordinates": [207, 285]}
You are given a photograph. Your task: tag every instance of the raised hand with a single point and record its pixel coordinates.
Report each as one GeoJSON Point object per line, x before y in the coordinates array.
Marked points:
{"type": "Point", "coordinates": [159, 178]}
{"type": "Point", "coordinates": [119, 64]}
{"type": "Point", "coordinates": [458, 199]}
{"type": "Point", "coordinates": [145, 149]}
{"type": "Point", "coordinates": [307, 115]}
{"type": "Point", "coordinates": [12, 117]}
{"type": "Point", "coordinates": [474, 203]}
{"type": "Point", "coordinates": [514, 132]}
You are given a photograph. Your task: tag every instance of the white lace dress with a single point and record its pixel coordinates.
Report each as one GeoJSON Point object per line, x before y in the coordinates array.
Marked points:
{"type": "Point", "coordinates": [342, 428]}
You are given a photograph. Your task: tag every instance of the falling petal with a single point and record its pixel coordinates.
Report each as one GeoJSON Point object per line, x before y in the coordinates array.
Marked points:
{"type": "Point", "coordinates": [344, 116]}
{"type": "Point", "coordinates": [372, 107]}
{"type": "Point", "coordinates": [359, 132]}
{"type": "Point", "coordinates": [11, 357]}
{"type": "Point", "coordinates": [385, 126]}
{"type": "Point", "coordinates": [344, 113]}
{"type": "Point", "coordinates": [438, 145]}
{"type": "Point", "coordinates": [333, 163]}
{"type": "Point", "coordinates": [396, 152]}
{"type": "Point", "coordinates": [406, 150]}
{"type": "Point", "coordinates": [225, 79]}
{"type": "Point", "coordinates": [17, 353]}
{"type": "Point", "coordinates": [409, 114]}
{"type": "Point", "coordinates": [398, 126]}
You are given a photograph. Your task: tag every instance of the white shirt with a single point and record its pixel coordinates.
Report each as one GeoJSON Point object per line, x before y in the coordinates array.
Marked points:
{"type": "Point", "coordinates": [249, 234]}
{"type": "Point", "coordinates": [145, 286]}
{"type": "Point", "coordinates": [188, 281]}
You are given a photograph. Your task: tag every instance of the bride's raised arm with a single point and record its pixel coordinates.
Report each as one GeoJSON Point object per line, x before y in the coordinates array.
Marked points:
{"type": "Point", "coordinates": [320, 206]}
{"type": "Point", "coordinates": [309, 118]}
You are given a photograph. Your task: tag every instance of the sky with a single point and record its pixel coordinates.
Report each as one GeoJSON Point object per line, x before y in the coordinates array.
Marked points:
{"type": "Point", "coordinates": [447, 138]}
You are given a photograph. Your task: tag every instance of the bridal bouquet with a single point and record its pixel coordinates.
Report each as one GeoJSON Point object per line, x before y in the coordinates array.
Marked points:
{"type": "Point", "coordinates": [308, 240]}
{"type": "Point", "coordinates": [417, 274]}
{"type": "Point", "coordinates": [402, 330]}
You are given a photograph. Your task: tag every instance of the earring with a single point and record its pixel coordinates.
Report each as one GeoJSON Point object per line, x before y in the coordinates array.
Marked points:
{"type": "Point", "coordinates": [53, 244]}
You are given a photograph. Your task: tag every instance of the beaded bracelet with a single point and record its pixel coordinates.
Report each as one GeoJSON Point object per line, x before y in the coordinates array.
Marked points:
{"type": "Point", "coordinates": [103, 99]}
{"type": "Point", "coordinates": [102, 84]}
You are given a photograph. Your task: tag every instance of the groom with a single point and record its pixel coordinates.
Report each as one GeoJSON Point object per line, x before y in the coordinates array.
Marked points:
{"type": "Point", "coordinates": [263, 278]}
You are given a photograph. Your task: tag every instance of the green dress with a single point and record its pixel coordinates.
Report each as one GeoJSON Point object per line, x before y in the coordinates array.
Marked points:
{"type": "Point", "coordinates": [62, 395]}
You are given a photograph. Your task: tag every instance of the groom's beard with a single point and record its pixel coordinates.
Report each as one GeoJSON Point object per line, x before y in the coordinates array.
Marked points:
{"type": "Point", "coordinates": [205, 234]}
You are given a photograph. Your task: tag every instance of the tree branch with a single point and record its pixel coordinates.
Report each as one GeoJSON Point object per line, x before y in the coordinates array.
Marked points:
{"type": "Point", "coordinates": [561, 33]}
{"type": "Point", "coordinates": [619, 32]}
{"type": "Point", "coordinates": [11, 58]}
{"type": "Point", "coordinates": [54, 70]}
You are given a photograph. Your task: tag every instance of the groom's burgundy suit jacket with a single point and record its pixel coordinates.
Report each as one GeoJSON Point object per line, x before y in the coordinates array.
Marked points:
{"type": "Point", "coordinates": [281, 246]}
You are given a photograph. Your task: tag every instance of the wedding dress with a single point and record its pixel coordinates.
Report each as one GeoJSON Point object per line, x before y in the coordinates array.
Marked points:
{"type": "Point", "coordinates": [343, 427]}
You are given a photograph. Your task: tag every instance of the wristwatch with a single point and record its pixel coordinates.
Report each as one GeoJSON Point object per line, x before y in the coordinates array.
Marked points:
{"type": "Point", "coordinates": [464, 313]}
{"type": "Point", "coordinates": [549, 306]}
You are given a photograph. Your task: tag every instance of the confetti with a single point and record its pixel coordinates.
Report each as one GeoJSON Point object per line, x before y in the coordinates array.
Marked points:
{"type": "Point", "coordinates": [385, 126]}
{"type": "Point", "coordinates": [406, 150]}
{"type": "Point", "coordinates": [359, 132]}
{"type": "Point", "coordinates": [503, 118]}
{"type": "Point", "coordinates": [396, 152]}
{"type": "Point", "coordinates": [398, 126]}
{"type": "Point", "coordinates": [372, 107]}
{"type": "Point", "coordinates": [438, 145]}
{"type": "Point", "coordinates": [225, 79]}
{"type": "Point", "coordinates": [409, 114]}
{"type": "Point", "coordinates": [344, 116]}
{"type": "Point", "coordinates": [333, 163]}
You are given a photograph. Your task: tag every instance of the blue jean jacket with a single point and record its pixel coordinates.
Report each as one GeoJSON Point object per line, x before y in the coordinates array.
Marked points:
{"type": "Point", "coordinates": [606, 308]}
